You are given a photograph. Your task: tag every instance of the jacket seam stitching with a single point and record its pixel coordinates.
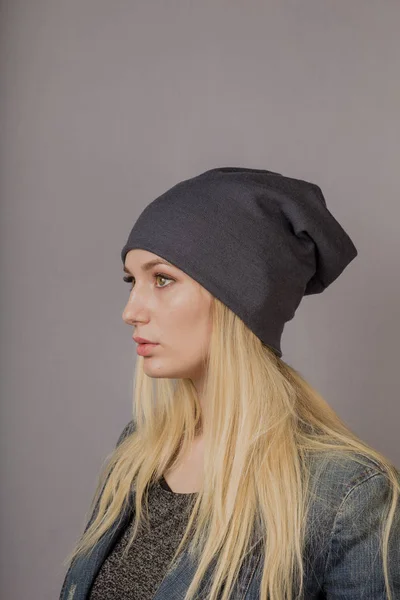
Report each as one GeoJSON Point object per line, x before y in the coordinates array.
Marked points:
{"type": "Point", "coordinates": [339, 513]}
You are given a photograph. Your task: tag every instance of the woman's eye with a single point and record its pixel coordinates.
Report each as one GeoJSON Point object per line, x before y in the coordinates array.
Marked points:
{"type": "Point", "coordinates": [129, 279]}
{"type": "Point", "coordinates": [163, 277]}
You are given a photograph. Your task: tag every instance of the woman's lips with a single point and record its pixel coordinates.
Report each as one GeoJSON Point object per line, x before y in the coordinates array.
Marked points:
{"type": "Point", "coordinates": [145, 349]}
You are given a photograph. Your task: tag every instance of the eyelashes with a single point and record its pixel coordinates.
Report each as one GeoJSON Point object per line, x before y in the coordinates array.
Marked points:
{"type": "Point", "coordinates": [129, 279]}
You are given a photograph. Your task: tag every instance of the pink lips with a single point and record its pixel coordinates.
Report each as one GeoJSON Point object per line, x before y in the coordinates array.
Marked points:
{"type": "Point", "coordinates": [145, 349]}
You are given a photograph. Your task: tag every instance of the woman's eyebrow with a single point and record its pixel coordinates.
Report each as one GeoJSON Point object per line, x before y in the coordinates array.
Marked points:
{"type": "Point", "coordinates": [147, 266]}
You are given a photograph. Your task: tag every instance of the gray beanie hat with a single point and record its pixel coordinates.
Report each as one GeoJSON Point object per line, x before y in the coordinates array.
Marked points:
{"type": "Point", "coordinates": [255, 239]}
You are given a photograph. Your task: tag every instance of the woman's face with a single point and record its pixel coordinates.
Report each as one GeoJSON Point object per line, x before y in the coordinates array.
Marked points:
{"type": "Point", "coordinates": [168, 307]}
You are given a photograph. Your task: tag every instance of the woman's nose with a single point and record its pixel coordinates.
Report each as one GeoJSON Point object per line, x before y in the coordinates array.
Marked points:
{"type": "Point", "coordinates": [128, 315]}
{"type": "Point", "coordinates": [132, 313]}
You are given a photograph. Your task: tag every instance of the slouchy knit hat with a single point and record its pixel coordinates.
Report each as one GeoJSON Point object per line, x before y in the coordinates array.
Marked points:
{"type": "Point", "coordinates": [255, 239]}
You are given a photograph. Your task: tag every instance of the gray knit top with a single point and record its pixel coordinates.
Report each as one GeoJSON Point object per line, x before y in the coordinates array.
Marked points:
{"type": "Point", "coordinates": [139, 574]}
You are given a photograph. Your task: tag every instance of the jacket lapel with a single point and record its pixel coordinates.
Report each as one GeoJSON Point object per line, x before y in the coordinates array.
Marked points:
{"type": "Point", "coordinates": [83, 571]}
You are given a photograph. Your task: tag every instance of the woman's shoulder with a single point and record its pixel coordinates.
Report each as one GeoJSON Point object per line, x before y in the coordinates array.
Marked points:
{"type": "Point", "coordinates": [335, 475]}
{"type": "Point", "coordinates": [351, 500]}
{"type": "Point", "coordinates": [127, 430]}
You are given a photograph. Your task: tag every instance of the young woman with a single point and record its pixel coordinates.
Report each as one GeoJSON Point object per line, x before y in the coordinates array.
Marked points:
{"type": "Point", "coordinates": [234, 479]}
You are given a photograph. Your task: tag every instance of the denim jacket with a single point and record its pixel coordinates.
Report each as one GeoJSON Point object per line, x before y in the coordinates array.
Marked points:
{"type": "Point", "coordinates": [342, 562]}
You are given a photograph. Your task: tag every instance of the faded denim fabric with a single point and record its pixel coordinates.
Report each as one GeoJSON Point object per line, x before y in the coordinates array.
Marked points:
{"type": "Point", "coordinates": [342, 559]}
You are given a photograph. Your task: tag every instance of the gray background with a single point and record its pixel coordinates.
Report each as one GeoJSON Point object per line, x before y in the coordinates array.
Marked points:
{"type": "Point", "coordinates": [104, 105]}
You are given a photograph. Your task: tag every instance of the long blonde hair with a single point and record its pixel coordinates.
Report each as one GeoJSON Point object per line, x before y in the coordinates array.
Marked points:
{"type": "Point", "coordinates": [262, 421]}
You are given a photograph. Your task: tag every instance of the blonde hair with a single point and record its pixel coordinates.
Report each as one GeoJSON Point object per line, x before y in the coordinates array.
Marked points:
{"type": "Point", "coordinates": [262, 419]}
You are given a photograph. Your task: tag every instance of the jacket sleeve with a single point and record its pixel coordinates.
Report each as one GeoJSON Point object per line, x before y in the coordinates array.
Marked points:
{"type": "Point", "coordinates": [354, 566]}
